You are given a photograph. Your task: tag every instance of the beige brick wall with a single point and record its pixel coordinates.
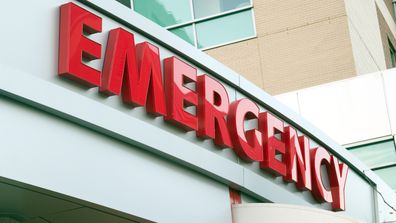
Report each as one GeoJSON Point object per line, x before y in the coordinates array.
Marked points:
{"type": "Point", "coordinates": [307, 56]}
{"type": "Point", "coordinates": [275, 16]}
{"type": "Point", "coordinates": [299, 43]}
{"type": "Point", "coordinates": [243, 57]}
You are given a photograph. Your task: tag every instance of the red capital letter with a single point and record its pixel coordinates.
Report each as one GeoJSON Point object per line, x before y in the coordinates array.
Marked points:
{"type": "Point", "coordinates": [178, 73]}
{"type": "Point", "coordinates": [320, 156]}
{"type": "Point", "coordinates": [246, 145]}
{"type": "Point", "coordinates": [119, 63]}
{"type": "Point", "coordinates": [134, 70]}
{"type": "Point", "coordinates": [74, 46]}
{"type": "Point", "coordinates": [338, 176]}
{"type": "Point", "coordinates": [297, 159]}
{"type": "Point", "coordinates": [213, 106]}
{"type": "Point", "coordinates": [147, 87]}
{"type": "Point", "coordinates": [270, 127]}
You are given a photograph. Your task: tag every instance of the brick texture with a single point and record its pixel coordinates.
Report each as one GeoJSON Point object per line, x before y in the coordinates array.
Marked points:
{"type": "Point", "coordinates": [276, 16]}
{"type": "Point", "coordinates": [299, 44]}
{"type": "Point", "coordinates": [307, 56]}
{"type": "Point", "coordinates": [243, 57]}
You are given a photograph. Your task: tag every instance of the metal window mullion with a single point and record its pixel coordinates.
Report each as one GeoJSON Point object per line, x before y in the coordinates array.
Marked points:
{"type": "Point", "coordinates": [194, 21]}
{"type": "Point", "coordinates": [184, 23]}
{"type": "Point", "coordinates": [210, 17]}
{"type": "Point", "coordinates": [132, 5]}
{"type": "Point", "coordinates": [193, 24]}
{"type": "Point", "coordinates": [383, 167]}
{"type": "Point", "coordinates": [223, 14]}
{"type": "Point", "coordinates": [227, 43]}
{"type": "Point", "coordinates": [237, 40]}
{"type": "Point", "coordinates": [253, 20]}
{"type": "Point", "coordinates": [192, 10]}
{"type": "Point", "coordinates": [358, 145]}
{"type": "Point", "coordinates": [394, 7]}
{"type": "Point", "coordinates": [195, 35]}
{"type": "Point", "coordinates": [179, 25]}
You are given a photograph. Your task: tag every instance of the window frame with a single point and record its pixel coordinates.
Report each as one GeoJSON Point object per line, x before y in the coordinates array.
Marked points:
{"type": "Point", "coordinates": [394, 7]}
{"type": "Point", "coordinates": [383, 166]}
{"type": "Point", "coordinates": [389, 165]}
{"type": "Point", "coordinates": [356, 146]}
{"type": "Point", "coordinates": [194, 21]}
{"type": "Point", "coordinates": [392, 53]}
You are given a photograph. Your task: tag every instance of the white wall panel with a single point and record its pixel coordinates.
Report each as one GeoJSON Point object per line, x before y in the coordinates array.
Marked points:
{"type": "Point", "coordinates": [349, 111]}
{"type": "Point", "coordinates": [290, 99]}
{"type": "Point", "coordinates": [60, 156]}
{"type": "Point", "coordinates": [390, 89]}
{"type": "Point", "coordinates": [266, 213]}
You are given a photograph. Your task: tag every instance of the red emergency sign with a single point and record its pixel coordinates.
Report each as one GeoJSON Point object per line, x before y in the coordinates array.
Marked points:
{"type": "Point", "coordinates": [133, 71]}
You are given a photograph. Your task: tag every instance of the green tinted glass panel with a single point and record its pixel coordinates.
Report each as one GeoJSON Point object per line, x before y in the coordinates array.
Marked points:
{"type": "Point", "coordinates": [388, 175]}
{"type": "Point", "coordinates": [377, 154]}
{"type": "Point", "coordinates": [392, 52]}
{"type": "Point", "coordinates": [127, 3]}
{"type": "Point", "coordinates": [185, 32]}
{"type": "Point", "coordinates": [225, 29]}
{"type": "Point", "coordinates": [164, 12]}
{"type": "Point", "coordinates": [204, 8]}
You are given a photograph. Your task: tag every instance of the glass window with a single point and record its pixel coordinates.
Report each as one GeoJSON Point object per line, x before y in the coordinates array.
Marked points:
{"type": "Point", "coordinates": [388, 175]}
{"type": "Point", "coordinates": [164, 12]}
{"type": "Point", "coordinates": [186, 33]}
{"type": "Point", "coordinates": [127, 3]}
{"type": "Point", "coordinates": [204, 8]}
{"type": "Point", "coordinates": [225, 29]}
{"type": "Point", "coordinates": [376, 154]}
{"type": "Point", "coordinates": [202, 23]}
{"type": "Point", "coordinates": [392, 53]}
{"type": "Point", "coordinates": [394, 7]}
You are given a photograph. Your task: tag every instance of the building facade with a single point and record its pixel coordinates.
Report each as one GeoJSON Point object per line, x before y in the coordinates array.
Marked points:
{"type": "Point", "coordinates": [107, 117]}
{"type": "Point", "coordinates": [358, 113]}
{"type": "Point", "coordinates": [284, 46]}
{"type": "Point", "coordinates": [307, 43]}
